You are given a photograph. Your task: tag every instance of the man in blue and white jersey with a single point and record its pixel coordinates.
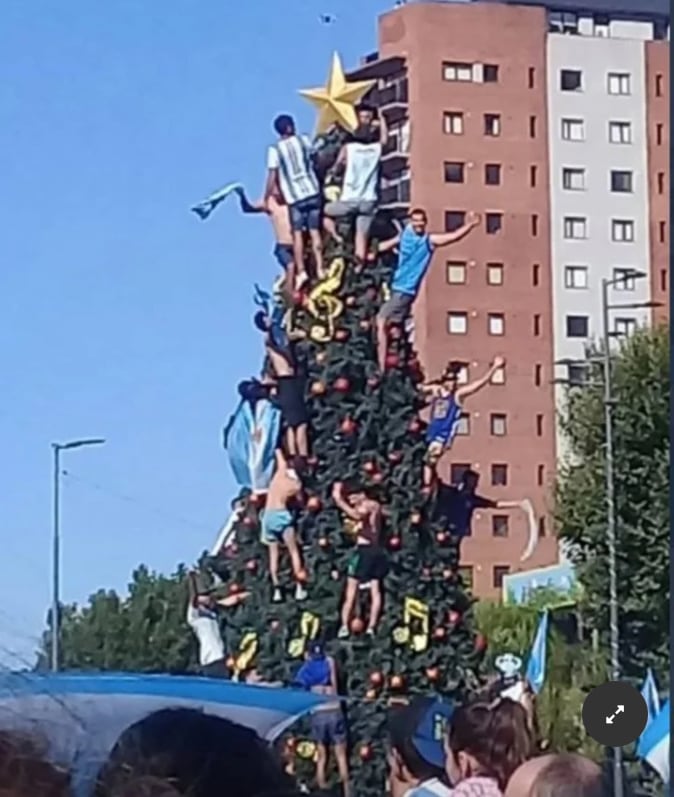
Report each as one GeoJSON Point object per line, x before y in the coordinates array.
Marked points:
{"type": "Point", "coordinates": [290, 172]}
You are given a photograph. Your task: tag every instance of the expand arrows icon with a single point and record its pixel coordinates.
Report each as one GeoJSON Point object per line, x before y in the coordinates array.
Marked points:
{"type": "Point", "coordinates": [611, 717]}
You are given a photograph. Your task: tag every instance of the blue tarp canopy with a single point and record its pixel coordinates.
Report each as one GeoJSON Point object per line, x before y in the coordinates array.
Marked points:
{"type": "Point", "coordinates": [80, 716]}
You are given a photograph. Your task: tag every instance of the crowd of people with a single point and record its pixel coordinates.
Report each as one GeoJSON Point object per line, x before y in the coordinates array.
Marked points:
{"type": "Point", "coordinates": [434, 750]}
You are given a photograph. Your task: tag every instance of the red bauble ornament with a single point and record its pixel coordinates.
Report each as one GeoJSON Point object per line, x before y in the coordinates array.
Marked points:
{"type": "Point", "coordinates": [447, 574]}
{"type": "Point", "coordinates": [415, 426]}
{"type": "Point", "coordinates": [378, 477]}
{"type": "Point", "coordinates": [426, 572]}
{"type": "Point", "coordinates": [341, 335]}
{"type": "Point", "coordinates": [453, 616]}
{"type": "Point", "coordinates": [342, 385]}
{"type": "Point", "coordinates": [275, 625]}
{"type": "Point", "coordinates": [439, 633]}
{"type": "Point", "coordinates": [441, 538]}
{"type": "Point", "coordinates": [321, 357]}
{"type": "Point", "coordinates": [251, 565]}
{"type": "Point", "coordinates": [373, 381]}
{"type": "Point", "coordinates": [298, 298]}
{"type": "Point", "coordinates": [314, 504]}
{"type": "Point", "coordinates": [394, 543]}
{"type": "Point", "coordinates": [480, 643]}
{"type": "Point", "coordinates": [348, 426]}
{"type": "Point", "coordinates": [357, 626]}
{"type": "Point", "coordinates": [432, 673]}
{"type": "Point", "coordinates": [397, 682]}
{"type": "Point", "coordinates": [376, 679]}
{"type": "Point", "coordinates": [365, 324]}
{"type": "Point", "coordinates": [415, 518]}
{"type": "Point", "coordinates": [234, 588]}
{"type": "Point", "coordinates": [370, 467]}
{"type": "Point", "coordinates": [371, 694]}
{"type": "Point", "coordinates": [395, 457]}
{"type": "Point", "coordinates": [365, 752]}
{"type": "Point", "coordinates": [349, 301]}
{"type": "Point", "coordinates": [317, 388]}
{"type": "Point", "coordinates": [392, 361]}
{"type": "Point", "coordinates": [323, 542]}
{"type": "Point", "coordinates": [394, 332]}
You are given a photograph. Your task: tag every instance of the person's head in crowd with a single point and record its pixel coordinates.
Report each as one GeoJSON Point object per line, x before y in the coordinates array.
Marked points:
{"type": "Point", "coordinates": [564, 775]}
{"type": "Point", "coordinates": [365, 114]}
{"type": "Point", "coordinates": [25, 771]}
{"type": "Point", "coordinates": [284, 125]}
{"type": "Point", "coordinates": [419, 221]}
{"type": "Point", "coordinates": [487, 740]}
{"type": "Point", "coordinates": [197, 754]}
{"type": "Point", "coordinates": [469, 481]}
{"type": "Point", "coordinates": [416, 743]}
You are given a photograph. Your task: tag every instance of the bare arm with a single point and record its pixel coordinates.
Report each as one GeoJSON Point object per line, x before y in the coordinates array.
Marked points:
{"type": "Point", "coordinates": [340, 163]}
{"type": "Point", "coordinates": [383, 130]}
{"type": "Point", "coordinates": [508, 504]}
{"type": "Point", "coordinates": [272, 178]}
{"type": "Point", "coordinates": [446, 238]}
{"type": "Point", "coordinates": [333, 674]}
{"type": "Point", "coordinates": [250, 207]}
{"type": "Point", "coordinates": [386, 246]}
{"type": "Point", "coordinates": [281, 464]}
{"type": "Point", "coordinates": [343, 504]}
{"type": "Point", "coordinates": [478, 384]}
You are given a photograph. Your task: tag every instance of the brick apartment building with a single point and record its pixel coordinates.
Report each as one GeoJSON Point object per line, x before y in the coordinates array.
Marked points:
{"type": "Point", "coordinates": [551, 120]}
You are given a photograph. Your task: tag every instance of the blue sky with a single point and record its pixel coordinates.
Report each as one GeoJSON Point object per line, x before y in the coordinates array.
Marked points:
{"type": "Point", "coordinates": [121, 314]}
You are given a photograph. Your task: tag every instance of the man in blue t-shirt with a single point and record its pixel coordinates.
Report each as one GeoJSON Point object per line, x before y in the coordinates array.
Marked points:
{"type": "Point", "coordinates": [415, 249]}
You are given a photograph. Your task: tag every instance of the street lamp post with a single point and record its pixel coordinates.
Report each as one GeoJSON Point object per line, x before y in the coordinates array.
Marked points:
{"type": "Point", "coordinates": [56, 543]}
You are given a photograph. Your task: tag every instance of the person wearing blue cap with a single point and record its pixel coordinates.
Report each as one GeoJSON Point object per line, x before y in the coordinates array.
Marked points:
{"type": "Point", "coordinates": [318, 674]}
{"type": "Point", "coordinates": [417, 733]}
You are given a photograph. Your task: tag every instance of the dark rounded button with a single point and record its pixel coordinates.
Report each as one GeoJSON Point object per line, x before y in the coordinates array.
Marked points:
{"type": "Point", "coordinates": [615, 714]}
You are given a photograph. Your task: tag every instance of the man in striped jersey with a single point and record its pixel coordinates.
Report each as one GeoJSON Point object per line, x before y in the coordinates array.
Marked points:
{"type": "Point", "coordinates": [290, 170]}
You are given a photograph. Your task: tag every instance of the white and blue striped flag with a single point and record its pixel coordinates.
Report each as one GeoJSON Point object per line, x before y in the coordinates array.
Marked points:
{"type": "Point", "coordinates": [536, 665]}
{"type": "Point", "coordinates": [649, 692]}
{"type": "Point", "coordinates": [653, 745]}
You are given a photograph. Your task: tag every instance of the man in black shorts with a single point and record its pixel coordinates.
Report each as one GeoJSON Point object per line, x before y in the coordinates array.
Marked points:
{"type": "Point", "coordinates": [289, 384]}
{"type": "Point", "coordinates": [368, 564]}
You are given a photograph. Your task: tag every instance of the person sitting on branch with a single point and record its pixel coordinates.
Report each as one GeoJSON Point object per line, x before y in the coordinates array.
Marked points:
{"type": "Point", "coordinates": [278, 525]}
{"type": "Point", "coordinates": [277, 211]}
{"type": "Point", "coordinates": [367, 565]}
{"type": "Point", "coordinates": [415, 250]}
{"type": "Point", "coordinates": [446, 398]}
{"type": "Point", "coordinates": [290, 170]}
{"type": "Point", "coordinates": [290, 383]}
{"type": "Point", "coordinates": [359, 159]}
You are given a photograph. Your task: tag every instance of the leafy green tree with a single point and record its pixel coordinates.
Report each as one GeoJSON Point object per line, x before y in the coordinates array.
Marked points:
{"type": "Point", "coordinates": [641, 427]}
{"type": "Point", "coordinates": [142, 632]}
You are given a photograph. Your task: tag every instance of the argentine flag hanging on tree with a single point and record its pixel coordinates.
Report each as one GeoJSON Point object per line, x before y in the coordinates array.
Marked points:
{"type": "Point", "coordinates": [539, 649]}
{"type": "Point", "coordinates": [653, 745]}
{"type": "Point", "coordinates": [649, 692]}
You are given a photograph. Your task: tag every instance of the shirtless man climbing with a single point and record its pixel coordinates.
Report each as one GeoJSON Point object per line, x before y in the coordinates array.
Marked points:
{"type": "Point", "coordinates": [278, 527]}
{"type": "Point", "coordinates": [368, 562]}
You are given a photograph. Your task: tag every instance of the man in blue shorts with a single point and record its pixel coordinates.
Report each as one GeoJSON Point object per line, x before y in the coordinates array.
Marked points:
{"type": "Point", "coordinates": [415, 250]}
{"type": "Point", "coordinates": [290, 170]}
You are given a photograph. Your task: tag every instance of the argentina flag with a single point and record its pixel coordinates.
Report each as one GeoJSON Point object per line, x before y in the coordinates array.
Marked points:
{"type": "Point", "coordinates": [536, 665]}
{"type": "Point", "coordinates": [649, 692]}
{"type": "Point", "coordinates": [653, 745]}
{"type": "Point", "coordinates": [251, 436]}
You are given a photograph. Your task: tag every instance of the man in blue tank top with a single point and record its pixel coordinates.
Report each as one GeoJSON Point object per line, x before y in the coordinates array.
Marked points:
{"type": "Point", "coordinates": [415, 250]}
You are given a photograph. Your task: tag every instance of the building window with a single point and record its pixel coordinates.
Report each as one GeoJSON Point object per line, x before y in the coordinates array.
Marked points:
{"type": "Point", "coordinates": [541, 526]}
{"type": "Point", "coordinates": [573, 179]}
{"type": "Point", "coordinates": [498, 424]}
{"type": "Point", "coordinates": [624, 280]}
{"type": "Point", "coordinates": [454, 172]}
{"type": "Point", "coordinates": [499, 475]}
{"type": "Point", "coordinates": [499, 376]}
{"type": "Point", "coordinates": [538, 374]}
{"type": "Point", "coordinates": [493, 222]}
{"type": "Point", "coordinates": [540, 475]}
{"type": "Point", "coordinates": [532, 127]}
{"type": "Point", "coordinates": [533, 172]}
{"type": "Point", "coordinates": [463, 426]}
{"type": "Point", "coordinates": [499, 573]}
{"type": "Point", "coordinates": [494, 273]}
{"type": "Point", "coordinates": [624, 327]}
{"type": "Point", "coordinates": [622, 230]}
{"type": "Point", "coordinates": [492, 124]}
{"type": "Point", "coordinates": [453, 123]}
{"type": "Point", "coordinates": [577, 326]}
{"type": "Point", "coordinates": [535, 274]}
{"type": "Point", "coordinates": [562, 22]}
{"type": "Point", "coordinates": [457, 70]}
{"type": "Point", "coordinates": [619, 83]}
{"type": "Point", "coordinates": [571, 80]}
{"type": "Point", "coordinates": [457, 323]}
{"type": "Point", "coordinates": [601, 26]}
{"type": "Point", "coordinates": [499, 525]}
{"type": "Point", "coordinates": [496, 324]}
{"type": "Point", "coordinates": [621, 181]}
{"type": "Point", "coordinates": [492, 174]}
{"type": "Point", "coordinates": [658, 85]}
{"type": "Point", "coordinates": [539, 425]}
{"type": "Point", "coordinates": [575, 227]}
{"type": "Point", "coordinates": [490, 73]}
{"type": "Point", "coordinates": [534, 225]}
{"type": "Point", "coordinates": [663, 279]}
{"type": "Point", "coordinates": [454, 219]}
{"type": "Point", "coordinates": [576, 375]}
{"type": "Point", "coordinates": [573, 130]}
{"type": "Point", "coordinates": [537, 325]}
{"type": "Point", "coordinates": [456, 272]}
{"type": "Point", "coordinates": [661, 182]}
{"type": "Point", "coordinates": [662, 231]}
{"type": "Point", "coordinates": [658, 134]}
{"type": "Point", "coordinates": [466, 575]}
{"type": "Point", "coordinates": [620, 132]}
{"type": "Point", "coordinates": [457, 470]}
{"type": "Point", "coordinates": [575, 277]}
{"type": "Point", "coordinates": [532, 77]}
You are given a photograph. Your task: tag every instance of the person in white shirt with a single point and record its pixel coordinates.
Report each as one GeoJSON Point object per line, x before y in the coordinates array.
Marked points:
{"type": "Point", "coordinates": [202, 617]}
{"type": "Point", "coordinates": [359, 158]}
{"type": "Point", "coordinates": [290, 171]}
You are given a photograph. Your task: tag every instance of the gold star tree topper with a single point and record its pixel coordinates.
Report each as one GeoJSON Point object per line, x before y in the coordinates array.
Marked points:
{"type": "Point", "coordinates": [336, 102]}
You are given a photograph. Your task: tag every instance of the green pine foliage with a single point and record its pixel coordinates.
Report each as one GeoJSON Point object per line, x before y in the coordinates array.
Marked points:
{"type": "Point", "coordinates": [364, 429]}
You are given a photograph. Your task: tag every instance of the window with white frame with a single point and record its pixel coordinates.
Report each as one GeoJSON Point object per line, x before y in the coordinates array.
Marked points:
{"type": "Point", "coordinates": [620, 132]}
{"type": "Point", "coordinates": [573, 178]}
{"type": "Point", "coordinates": [573, 130]}
{"type": "Point", "coordinates": [570, 80]}
{"type": "Point", "coordinates": [457, 323]}
{"type": "Point", "coordinates": [562, 22]}
{"type": "Point", "coordinates": [458, 71]}
{"type": "Point", "coordinates": [453, 123]}
{"type": "Point", "coordinates": [456, 272]}
{"type": "Point", "coordinates": [625, 327]}
{"type": "Point", "coordinates": [575, 277]}
{"type": "Point", "coordinates": [619, 83]}
{"type": "Point", "coordinates": [621, 181]}
{"type": "Point", "coordinates": [575, 227]}
{"type": "Point", "coordinates": [577, 326]}
{"type": "Point", "coordinates": [623, 279]}
{"type": "Point", "coordinates": [496, 324]}
{"type": "Point", "coordinates": [494, 273]}
{"type": "Point", "coordinates": [498, 424]}
{"type": "Point", "coordinates": [622, 230]}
